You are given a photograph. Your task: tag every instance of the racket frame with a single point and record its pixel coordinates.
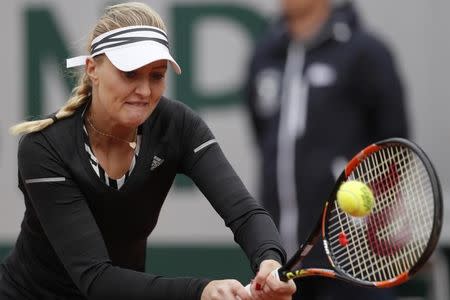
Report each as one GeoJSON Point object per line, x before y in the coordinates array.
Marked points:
{"type": "Point", "coordinates": [289, 270]}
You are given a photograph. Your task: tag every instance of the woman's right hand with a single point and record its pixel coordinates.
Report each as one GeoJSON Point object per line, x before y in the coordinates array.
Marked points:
{"type": "Point", "coordinates": [227, 289]}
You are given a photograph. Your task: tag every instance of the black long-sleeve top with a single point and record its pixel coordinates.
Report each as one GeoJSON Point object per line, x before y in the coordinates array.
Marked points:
{"type": "Point", "coordinates": [83, 239]}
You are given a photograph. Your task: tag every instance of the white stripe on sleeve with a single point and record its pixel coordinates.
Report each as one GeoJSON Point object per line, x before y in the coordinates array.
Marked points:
{"type": "Point", "coordinates": [204, 145]}
{"type": "Point", "coordinates": [47, 179]}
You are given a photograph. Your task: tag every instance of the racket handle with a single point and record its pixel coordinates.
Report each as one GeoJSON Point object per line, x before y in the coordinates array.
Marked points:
{"type": "Point", "coordinates": [273, 273]}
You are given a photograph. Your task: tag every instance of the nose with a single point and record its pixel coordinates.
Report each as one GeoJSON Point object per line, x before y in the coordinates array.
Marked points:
{"type": "Point", "coordinates": [143, 87]}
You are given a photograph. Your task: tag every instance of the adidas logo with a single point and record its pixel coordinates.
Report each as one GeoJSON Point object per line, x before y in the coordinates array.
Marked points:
{"type": "Point", "coordinates": [157, 161]}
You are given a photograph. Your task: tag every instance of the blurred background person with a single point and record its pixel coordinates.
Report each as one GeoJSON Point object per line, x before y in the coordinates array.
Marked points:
{"type": "Point", "coordinates": [320, 88]}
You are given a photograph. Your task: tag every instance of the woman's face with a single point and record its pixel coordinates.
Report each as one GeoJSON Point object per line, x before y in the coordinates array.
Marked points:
{"type": "Point", "coordinates": [126, 99]}
{"type": "Point", "coordinates": [296, 8]}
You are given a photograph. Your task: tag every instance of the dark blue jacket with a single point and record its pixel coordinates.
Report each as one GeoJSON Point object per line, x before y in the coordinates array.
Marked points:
{"type": "Point", "coordinates": [353, 97]}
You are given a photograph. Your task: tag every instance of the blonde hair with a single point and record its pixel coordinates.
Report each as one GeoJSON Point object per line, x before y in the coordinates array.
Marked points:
{"type": "Point", "coordinates": [115, 16]}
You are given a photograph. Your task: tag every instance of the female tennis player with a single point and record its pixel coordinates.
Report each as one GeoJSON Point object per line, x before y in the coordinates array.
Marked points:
{"type": "Point", "coordinates": [95, 174]}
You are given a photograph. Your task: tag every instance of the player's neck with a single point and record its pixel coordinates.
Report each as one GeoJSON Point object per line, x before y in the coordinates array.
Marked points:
{"type": "Point", "coordinates": [107, 137]}
{"type": "Point", "coordinates": [100, 121]}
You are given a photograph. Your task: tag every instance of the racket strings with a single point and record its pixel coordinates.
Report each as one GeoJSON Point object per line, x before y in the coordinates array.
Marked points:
{"type": "Point", "coordinates": [396, 227]}
{"type": "Point", "coordinates": [392, 238]}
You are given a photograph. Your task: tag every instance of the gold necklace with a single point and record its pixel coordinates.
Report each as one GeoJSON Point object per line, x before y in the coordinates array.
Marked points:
{"type": "Point", "coordinates": [131, 144]}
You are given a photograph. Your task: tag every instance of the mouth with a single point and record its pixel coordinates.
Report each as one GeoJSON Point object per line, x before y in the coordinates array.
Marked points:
{"type": "Point", "coordinates": [137, 104]}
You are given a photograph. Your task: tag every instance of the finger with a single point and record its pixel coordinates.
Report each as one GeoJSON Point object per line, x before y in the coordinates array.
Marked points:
{"type": "Point", "coordinates": [267, 269]}
{"type": "Point", "coordinates": [274, 285]}
{"type": "Point", "coordinates": [242, 293]}
{"type": "Point", "coordinates": [258, 295]}
{"type": "Point", "coordinates": [268, 294]}
{"type": "Point", "coordinates": [272, 275]}
{"type": "Point", "coordinates": [259, 281]}
{"type": "Point", "coordinates": [238, 291]}
{"type": "Point", "coordinates": [262, 275]}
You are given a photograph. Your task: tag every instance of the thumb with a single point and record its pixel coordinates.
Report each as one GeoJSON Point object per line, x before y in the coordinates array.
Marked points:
{"type": "Point", "coordinates": [266, 267]}
{"type": "Point", "coordinates": [260, 279]}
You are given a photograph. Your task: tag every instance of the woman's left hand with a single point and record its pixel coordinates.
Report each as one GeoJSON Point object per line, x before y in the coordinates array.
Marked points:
{"type": "Point", "coordinates": [267, 286]}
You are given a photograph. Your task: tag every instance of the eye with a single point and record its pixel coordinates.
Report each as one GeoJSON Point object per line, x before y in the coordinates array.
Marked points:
{"type": "Point", "coordinates": [130, 74]}
{"type": "Point", "coordinates": [158, 75]}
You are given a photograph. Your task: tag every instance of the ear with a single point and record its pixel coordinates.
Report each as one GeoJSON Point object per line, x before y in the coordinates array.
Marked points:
{"type": "Point", "coordinates": [92, 70]}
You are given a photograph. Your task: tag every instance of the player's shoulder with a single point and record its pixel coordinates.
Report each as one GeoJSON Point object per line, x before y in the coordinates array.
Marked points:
{"type": "Point", "coordinates": [29, 142]}
{"type": "Point", "coordinates": [33, 145]}
{"type": "Point", "coordinates": [62, 132]}
{"type": "Point", "coordinates": [172, 104]}
{"type": "Point", "coordinates": [65, 130]}
{"type": "Point", "coordinates": [180, 119]}
{"type": "Point", "coordinates": [176, 110]}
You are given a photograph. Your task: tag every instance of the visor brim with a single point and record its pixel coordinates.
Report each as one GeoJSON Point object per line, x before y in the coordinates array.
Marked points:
{"type": "Point", "coordinates": [140, 54]}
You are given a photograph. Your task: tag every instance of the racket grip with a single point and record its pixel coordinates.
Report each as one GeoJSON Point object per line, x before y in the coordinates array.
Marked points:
{"type": "Point", "coordinates": [273, 273]}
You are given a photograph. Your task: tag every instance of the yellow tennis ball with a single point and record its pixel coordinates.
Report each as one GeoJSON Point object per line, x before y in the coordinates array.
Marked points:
{"type": "Point", "coordinates": [355, 198]}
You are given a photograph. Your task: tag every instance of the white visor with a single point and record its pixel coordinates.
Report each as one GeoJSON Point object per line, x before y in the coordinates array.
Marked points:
{"type": "Point", "coordinates": [129, 48]}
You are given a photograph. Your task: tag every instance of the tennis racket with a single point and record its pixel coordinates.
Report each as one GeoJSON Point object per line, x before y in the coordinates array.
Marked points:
{"type": "Point", "coordinates": [388, 246]}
